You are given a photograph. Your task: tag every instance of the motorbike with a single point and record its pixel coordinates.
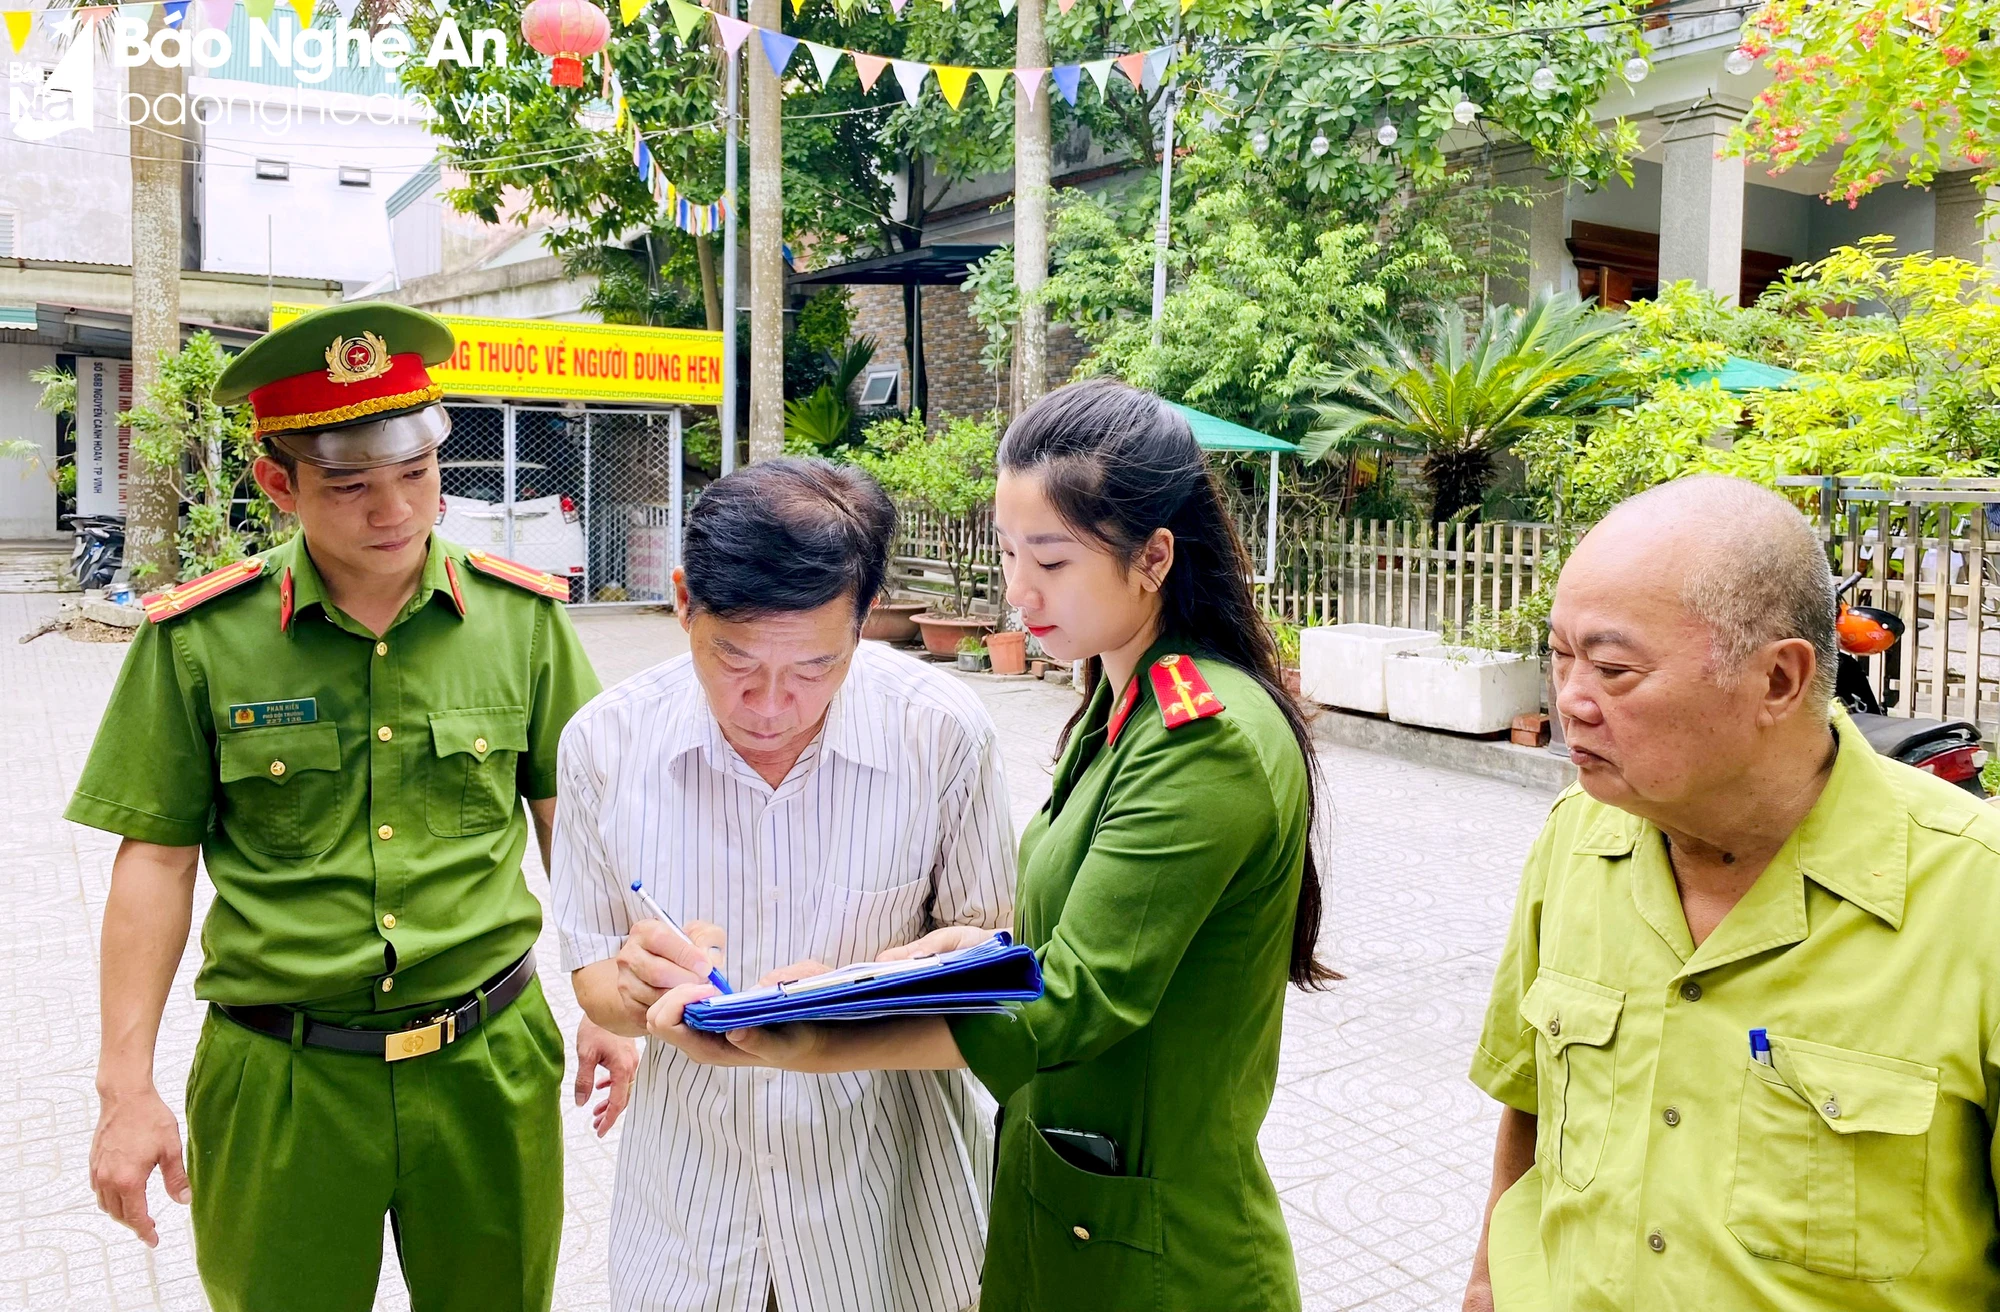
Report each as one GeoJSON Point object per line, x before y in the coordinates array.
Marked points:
{"type": "Point", "coordinates": [99, 550]}
{"type": "Point", "coordinates": [1949, 749]}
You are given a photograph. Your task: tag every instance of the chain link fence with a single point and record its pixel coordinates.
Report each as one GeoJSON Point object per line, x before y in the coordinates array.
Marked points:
{"type": "Point", "coordinates": [594, 496]}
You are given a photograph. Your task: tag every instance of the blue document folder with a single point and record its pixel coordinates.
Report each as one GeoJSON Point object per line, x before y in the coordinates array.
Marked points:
{"type": "Point", "coordinates": [981, 978]}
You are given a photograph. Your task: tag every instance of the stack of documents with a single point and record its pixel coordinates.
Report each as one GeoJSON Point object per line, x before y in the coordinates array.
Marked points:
{"type": "Point", "coordinates": [981, 978]}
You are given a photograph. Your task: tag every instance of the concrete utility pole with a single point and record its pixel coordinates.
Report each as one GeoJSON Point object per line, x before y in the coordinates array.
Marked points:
{"type": "Point", "coordinates": [1031, 206]}
{"type": "Point", "coordinates": [732, 368]}
{"type": "Point", "coordinates": [767, 235]}
{"type": "Point", "coordinates": [1163, 235]}
{"type": "Point", "coordinates": [152, 506]}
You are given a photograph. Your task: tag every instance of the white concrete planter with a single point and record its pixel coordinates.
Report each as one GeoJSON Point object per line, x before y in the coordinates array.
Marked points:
{"type": "Point", "coordinates": [1341, 665]}
{"type": "Point", "coordinates": [1461, 689]}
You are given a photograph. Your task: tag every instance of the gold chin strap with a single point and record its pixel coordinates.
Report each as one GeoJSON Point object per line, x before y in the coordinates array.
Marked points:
{"type": "Point", "coordinates": [369, 445]}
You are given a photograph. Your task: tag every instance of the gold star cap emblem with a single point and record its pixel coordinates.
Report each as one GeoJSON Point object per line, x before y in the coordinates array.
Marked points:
{"type": "Point", "coordinates": [357, 359]}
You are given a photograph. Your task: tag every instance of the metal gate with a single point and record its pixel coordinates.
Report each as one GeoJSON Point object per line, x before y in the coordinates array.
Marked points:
{"type": "Point", "coordinates": [590, 495]}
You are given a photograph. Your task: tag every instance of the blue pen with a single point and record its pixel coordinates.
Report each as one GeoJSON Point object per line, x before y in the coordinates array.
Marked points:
{"type": "Point", "coordinates": [639, 887]}
{"type": "Point", "coordinates": [1760, 1047]}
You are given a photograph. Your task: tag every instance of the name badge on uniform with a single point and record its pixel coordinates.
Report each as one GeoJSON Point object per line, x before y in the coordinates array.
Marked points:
{"type": "Point", "coordinates": [263, 715]}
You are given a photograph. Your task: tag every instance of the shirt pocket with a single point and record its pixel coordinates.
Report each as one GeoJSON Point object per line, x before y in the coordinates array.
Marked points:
{"type": "Point", "coordinates": [1575, 1022]}
{"type": "Point", "coordinates": [1832, 1146]}
{"type": "Point", "coordinates": [857, 924]}
{"type": "Point", "coordinates": [472, 784]}
{"type": "Point", "coordinates": [1097, 1239]}
{"type": "Point", "coordinates": [281, 788]}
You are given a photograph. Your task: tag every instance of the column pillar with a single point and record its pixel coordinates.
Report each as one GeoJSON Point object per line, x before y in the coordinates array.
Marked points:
{"type": "Point", "coordinates": [1701, 197]}
{"type": "Point", "coordinates": [1538, 228]}
{"type": "Point", "coordinates": [1959, 229]}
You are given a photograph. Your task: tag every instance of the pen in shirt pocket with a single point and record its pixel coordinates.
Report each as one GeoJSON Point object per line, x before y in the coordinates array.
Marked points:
{"type": "Point", "coordinates": [639, 887]}
{"type": "Point", "coordinates": [1760, 1047]}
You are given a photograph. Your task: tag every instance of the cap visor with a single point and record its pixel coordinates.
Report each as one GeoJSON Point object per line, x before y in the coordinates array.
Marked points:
{"type": "Point", "coordinates": [370, 444]}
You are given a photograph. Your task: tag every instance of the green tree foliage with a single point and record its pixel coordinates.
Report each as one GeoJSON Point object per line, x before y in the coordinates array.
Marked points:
{"type": "Point", "coordinates": [1910, 388]}
{"type": "Point", "coordinates": [948, 474]}
{"type": "Point", "coordinates": [208, 448]}
{"type": "Point", "coordinates": [1876, 85]}
{"type": "Point", "coordinates": [1255, 312]}
{"type": "Point", "coordinates": [1457, 400]}
{"type": "Point", "coordinates": [1306, 77]}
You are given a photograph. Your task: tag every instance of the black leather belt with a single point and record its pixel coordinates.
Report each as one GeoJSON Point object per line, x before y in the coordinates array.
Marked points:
{"type": "Point", "coordinates": [447, 1027]}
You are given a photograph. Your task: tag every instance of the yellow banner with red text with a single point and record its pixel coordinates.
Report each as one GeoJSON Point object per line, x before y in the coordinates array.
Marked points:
{"type": "Point", "coordinates": [510, 358]}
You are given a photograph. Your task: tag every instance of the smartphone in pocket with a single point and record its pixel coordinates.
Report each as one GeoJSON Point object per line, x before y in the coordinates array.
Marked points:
{"type": "Point", "coordinates": [1086, 1151]}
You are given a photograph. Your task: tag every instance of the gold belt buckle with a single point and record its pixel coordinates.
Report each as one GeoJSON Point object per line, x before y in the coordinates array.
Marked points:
{"type": "Point", "coordinates": [400, 1045]}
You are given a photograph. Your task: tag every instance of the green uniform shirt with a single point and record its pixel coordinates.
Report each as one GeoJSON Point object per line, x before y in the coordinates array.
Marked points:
{"type": "Point", "coordinates": [1158, 886]}
{"type": "Point", "coordinates": [1854, 1172]}
{"type": "Point", "coordinates": [357, 801]}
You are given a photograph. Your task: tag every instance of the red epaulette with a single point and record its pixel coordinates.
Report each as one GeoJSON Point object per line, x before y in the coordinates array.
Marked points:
{"type": "Point", "coordinates": [184, 597]}
{"type": "Point", "coordinates": [1184, 696]}
{"type": "Point", "coordinates": [521, 576]}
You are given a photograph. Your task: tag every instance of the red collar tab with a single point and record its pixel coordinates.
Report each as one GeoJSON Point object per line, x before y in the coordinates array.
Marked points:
{"type": "Point", "coordinates": [1121, 712]}
{"type": "Point", "coordinates": [184, 597]}
{"type": "Point", "coordinates": [1184, 696]}
{"type": "Point", "coordinates": [285, 600]}
{"type": "Point", "coordinates": [451, 577]}
{"type": "Point", "coordinates": [521, 576]}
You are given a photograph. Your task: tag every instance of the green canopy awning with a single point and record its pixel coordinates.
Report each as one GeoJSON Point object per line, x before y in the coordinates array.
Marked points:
{"type": "Point", "coordinates": [1213, 434]}
{"type": "Point", "coordinates": [1740, 375]}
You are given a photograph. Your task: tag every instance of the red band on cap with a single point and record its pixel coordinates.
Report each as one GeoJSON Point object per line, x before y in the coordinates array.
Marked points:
{"type": "Point", "coordinates": [313, 400]}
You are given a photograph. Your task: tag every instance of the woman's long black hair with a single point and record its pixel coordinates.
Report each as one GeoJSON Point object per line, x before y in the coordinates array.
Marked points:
{"type": "Point", "coordinates": [1117, 464]}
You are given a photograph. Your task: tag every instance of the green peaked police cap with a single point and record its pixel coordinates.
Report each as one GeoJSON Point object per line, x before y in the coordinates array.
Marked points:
{"type": "Point", "coordinates": [346, 387]}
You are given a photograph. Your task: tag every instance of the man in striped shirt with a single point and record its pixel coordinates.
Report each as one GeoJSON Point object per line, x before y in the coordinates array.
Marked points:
{"type": "Point", "coordinates": [789, 794]}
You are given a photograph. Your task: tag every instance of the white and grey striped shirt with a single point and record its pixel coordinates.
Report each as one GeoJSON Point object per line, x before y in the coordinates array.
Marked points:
{"type": "Point", "coordinates": [862, 1191]}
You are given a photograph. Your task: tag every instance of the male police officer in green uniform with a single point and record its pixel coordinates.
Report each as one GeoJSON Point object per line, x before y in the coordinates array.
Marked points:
{"type": "Point", "coordinates": [342, 728]}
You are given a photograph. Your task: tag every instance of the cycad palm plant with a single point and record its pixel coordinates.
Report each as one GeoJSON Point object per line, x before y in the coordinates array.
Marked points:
{"type": "Point", "coordinates": [1457, 403]}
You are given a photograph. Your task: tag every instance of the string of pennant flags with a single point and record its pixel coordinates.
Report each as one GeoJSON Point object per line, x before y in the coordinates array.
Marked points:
{"type": "Point", "coordinates": [1143, 68]}
{"type": "Point", "coordinates": [689, 216]}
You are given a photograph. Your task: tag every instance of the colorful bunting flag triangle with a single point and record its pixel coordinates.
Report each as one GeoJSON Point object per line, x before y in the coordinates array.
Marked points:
{"type": "Point", "coordinates": [778, 49]}
{"type": "Point", "coordinates": [1065, 5]}
{"type": "Point", "coordinates": [869, 67]}
{"type": "Point", "coordinates": [259, 10]}
{"type": "Point", "coordinates": [346, 8]}
{"type": "Point", "coordinates": [911, 75]}
{"type": "Point", "coordinates": [1031, 82]}
{"type": "Point", "coordinates": [304, 9]}
{"type": "Point", "coordinates": [1006, 7]}
{"type": "Point", "coordinates": [1157, 60]}
{"type": "Point", "coordinates": [825, 59]}
{"type": "Point", "coordinates": [1100, 73]}
{"type": "Point", "coordinates": [176, 13]}
{"type": "Point", "coordinates": [215, 13]}
{"type": "Point", "coordinates": [18, 22]}
{"type": "Point", "coordinates": [686, 17]}
{"type": "Point", "coordinates": [629, 10]}
{"type": "Point", "coordinates": [995, 79]}
{"type": "Point", "coordinates": [1065, 77]}
{"type": "Point", "coordinates": [1132, 66]}
{"type": "Point", "coordinates": [734, 32]}
{"type": "Point", "coordinates": [951, 80]}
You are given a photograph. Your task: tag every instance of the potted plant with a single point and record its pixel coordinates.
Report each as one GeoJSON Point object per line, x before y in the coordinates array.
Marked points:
{"type": "Point", "coordinates": [971, 655]}
{"type": "Point", "coordinates": [892, 619]}
{"type": "Point", "coordinates": [1008, 650]}
{"type": "Point", "coordinates": [949, 476]}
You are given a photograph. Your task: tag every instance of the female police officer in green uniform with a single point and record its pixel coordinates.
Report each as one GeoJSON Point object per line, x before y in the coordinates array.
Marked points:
{"type": "Point", "coordinates": [1167, 887]}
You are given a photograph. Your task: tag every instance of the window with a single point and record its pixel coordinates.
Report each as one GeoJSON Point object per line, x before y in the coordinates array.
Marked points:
{"type": "Point", "coordinates": [274, 170]}
{"type": "Point", "coordinates": [8, 223]}
{"type": "Point", "coordinates": [880, 389]}
{"type": "Point", "coordinates": [353, 177]}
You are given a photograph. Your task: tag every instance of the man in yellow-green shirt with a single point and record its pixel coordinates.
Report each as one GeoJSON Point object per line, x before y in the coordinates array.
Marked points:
{"type": "Point", "coordinates": [1735, 859]}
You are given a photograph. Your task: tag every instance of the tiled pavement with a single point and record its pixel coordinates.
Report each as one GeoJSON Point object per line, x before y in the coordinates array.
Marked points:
{"type": "Point", "coordinates": [1377, 1141]}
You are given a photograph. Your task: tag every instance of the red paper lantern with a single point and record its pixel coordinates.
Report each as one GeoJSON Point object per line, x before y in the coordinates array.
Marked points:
{"type": "Point", "coordinates": [569, 30]}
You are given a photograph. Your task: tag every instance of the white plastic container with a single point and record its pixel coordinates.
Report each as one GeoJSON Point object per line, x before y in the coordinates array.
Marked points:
{"type": "Point", "coordinates": [1462, 689]}
{"type": "Point", "coordinates": [1341, 664]}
